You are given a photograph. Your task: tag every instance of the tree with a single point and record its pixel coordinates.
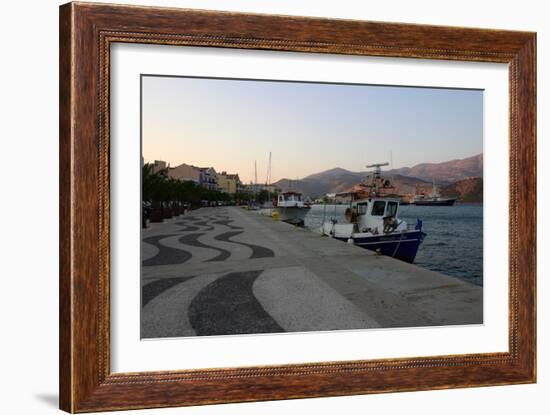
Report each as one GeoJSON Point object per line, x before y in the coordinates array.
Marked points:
{"type": "Point", "coordinates": [163, 191]}
{"type": "Point", "coordinates": [243, 197]}
{"type": "Point", "coordinates": [265, 196]}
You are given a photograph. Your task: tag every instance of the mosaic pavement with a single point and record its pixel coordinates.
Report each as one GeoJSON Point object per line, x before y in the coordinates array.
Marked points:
{"type": "Point", "coordinates": [219, 271]}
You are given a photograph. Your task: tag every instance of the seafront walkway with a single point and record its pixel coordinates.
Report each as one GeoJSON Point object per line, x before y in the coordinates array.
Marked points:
{"type": "Point", "coordinates": [225, 270]}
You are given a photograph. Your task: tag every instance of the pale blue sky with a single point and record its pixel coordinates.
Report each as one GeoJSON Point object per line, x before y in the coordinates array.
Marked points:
{"type": "Point", "coordinates": [308, 127]}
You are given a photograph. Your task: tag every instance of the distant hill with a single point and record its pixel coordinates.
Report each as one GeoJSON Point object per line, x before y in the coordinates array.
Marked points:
{"type": "Point", "coordinates": [335, 182]}
{"type": "Point", "coordinates": [404, 179]}
{"type": "Point", "coordinates": [448, 171]}
{"type": "Point", "coordinates": [467, 190]}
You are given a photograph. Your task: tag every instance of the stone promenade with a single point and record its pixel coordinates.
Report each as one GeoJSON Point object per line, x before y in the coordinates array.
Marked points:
{"type": "Point", "coordinates": [225, 270]}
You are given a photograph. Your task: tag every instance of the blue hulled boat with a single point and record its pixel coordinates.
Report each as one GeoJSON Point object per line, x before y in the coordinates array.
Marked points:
{"type": "Point", "coordinates": [372, 221]}
{"type": "Point", "coordinates": [373, 224]}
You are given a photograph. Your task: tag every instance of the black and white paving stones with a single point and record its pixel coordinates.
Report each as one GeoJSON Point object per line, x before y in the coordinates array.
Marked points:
{"type": "Point", "coordinates": [226, 271]}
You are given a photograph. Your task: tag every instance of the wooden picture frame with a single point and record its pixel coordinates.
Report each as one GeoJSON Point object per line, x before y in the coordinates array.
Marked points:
{"type": "Point", "coordinates": [86, 33]}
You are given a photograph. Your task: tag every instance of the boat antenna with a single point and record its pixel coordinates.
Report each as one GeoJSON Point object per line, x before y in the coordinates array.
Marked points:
{"type": "Point", "coordinates": [377, 168]}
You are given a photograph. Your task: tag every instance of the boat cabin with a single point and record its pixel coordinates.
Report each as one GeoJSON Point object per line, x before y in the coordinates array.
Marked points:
{"type": "Point", "coordinates": [370, 213]}
{"type": "Point", "coordinates": [372, 216]}
{"type": "Point", "coordinates": [290, 199]}
{"type": "Point", "coordinates": [372, 223]}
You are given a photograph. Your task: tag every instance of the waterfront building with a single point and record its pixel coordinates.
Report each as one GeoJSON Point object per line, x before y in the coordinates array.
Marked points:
{"type": "Point", "coordinates": [251, 188]}
{"type": "Point", "coordinates": [159, 166]}
{"type": "Point", "coordinates": [185, 173]}
{"type": "Point", "coordinates": [229, 183]}
{"type": "Point", "coordinates": [208, 178]}
{"type": "Point", "coordinates": [270, 188]}
{"type": "Point", "coordinates": [257, 188]}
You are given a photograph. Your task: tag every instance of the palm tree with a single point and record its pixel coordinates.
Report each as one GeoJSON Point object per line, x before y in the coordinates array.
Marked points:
{"type": "Point", "coordinates": [153, 190]}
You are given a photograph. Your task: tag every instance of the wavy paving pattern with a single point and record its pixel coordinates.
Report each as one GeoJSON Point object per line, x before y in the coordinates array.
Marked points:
{"type": "Point", "coordinates": [257, 250]}
{"type": "Point", "coordinates": [227, 223]}
{"type": "Point", "coordinates": [187, 228]}
{"type": "Point", "coordinates": [169, 255]}
{"type": "Point", "coordinates": [155, 288]}
{"type": "Point", "coordinates": [205, 225]}
{"type": "Point", "coordinates": [166, 255]}
{"type": "Point", "coordinates": [219, 299]}
{"type": "Point", "coordinates": [201, 277]}
{"type": "Point", "coordinates": [228, 306]}
{"type": "Point", "coordinates": [192, 240]}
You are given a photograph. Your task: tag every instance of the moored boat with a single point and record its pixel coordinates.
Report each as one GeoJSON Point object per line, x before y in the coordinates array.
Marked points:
{"type": "Point", "coordinates": [433, 199]}
{"type": "Point", "coordinates": [373, 224]}
{"type": "Point", "coordinates": [438, 201]}
{"type": "Point", "coordinates": [291, 207]}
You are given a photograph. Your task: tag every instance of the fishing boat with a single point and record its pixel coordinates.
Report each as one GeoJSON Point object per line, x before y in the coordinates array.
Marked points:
{"type": "Point", "coordinates": [290, 206]}
{"type": "Point", "coordinates": [433, 198]}
{"type": "Point", "coordinates": [374, 224]}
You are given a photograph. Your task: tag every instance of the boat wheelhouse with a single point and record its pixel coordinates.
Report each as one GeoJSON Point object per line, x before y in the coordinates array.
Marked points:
{"type": "Point", "coordinates": [290, 200]}
{"type": "Point", "coordinates": [289, 207]}
{"type": "Point", "coordinates": [374, 224]}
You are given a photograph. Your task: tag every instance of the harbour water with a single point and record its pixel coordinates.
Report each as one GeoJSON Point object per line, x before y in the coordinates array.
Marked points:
{"type": "Point", "coordinates": [454, 241]}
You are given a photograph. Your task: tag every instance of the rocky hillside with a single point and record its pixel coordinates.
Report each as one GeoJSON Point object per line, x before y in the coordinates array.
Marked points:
{"type": "Point", "coordinates": [315, 187]}
{"type": "Point", "coordinates": [405, 179]}
{"type": "Point", "coordinates": [467, 190]}
{"type": "Point", "coordinates": [448, 171]}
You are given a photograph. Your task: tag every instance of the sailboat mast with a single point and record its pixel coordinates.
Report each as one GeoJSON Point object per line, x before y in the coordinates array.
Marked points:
{"type": "Point", "coordinates": [268, 177]}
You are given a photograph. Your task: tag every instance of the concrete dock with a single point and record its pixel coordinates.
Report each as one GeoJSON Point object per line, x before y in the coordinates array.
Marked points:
{"type": "Point", "coordinates": [225, 270]}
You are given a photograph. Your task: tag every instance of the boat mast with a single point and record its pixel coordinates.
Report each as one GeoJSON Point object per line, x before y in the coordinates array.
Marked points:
{"type": "Point", "coordinates": [377, 168]}
{"type": "Point", "coordinates": [376, 174]}
{"type": "Point", "coordinates": [268, 176]}
{"type": "Point", "coordinates": [435, 193]}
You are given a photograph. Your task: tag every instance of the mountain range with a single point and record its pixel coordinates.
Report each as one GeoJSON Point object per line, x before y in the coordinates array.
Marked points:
{"type": "Point", "coordinates": [446, 172]}
{"type": "Point", "coordinates": [405, 179]}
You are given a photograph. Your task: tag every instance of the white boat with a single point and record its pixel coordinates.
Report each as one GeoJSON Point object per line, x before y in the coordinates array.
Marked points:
{"type": "Point", "coordinates": [291, 207]}
{"type": "Point", "coordinates": [374, 224]}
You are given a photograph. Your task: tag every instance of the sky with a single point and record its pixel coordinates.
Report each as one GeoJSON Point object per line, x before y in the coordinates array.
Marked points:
{"type": "Point", "coordinates": [308, 127]}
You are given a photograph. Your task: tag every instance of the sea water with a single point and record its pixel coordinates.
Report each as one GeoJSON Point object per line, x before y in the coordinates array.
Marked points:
{"type": "Point", "coordinates": [454, 241]}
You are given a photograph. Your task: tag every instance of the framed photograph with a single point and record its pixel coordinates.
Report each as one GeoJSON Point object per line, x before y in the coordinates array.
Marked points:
{"type": "Point", "coordinates": [258, 207]}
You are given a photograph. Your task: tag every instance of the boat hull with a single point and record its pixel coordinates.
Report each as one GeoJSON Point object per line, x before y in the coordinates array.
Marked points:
{"type": "Point", "coordinates": [443, 202]}
{"type": "Point", "coordinates": [402, 245]}
{"type": "Point", "coordinates": [291, 213]}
